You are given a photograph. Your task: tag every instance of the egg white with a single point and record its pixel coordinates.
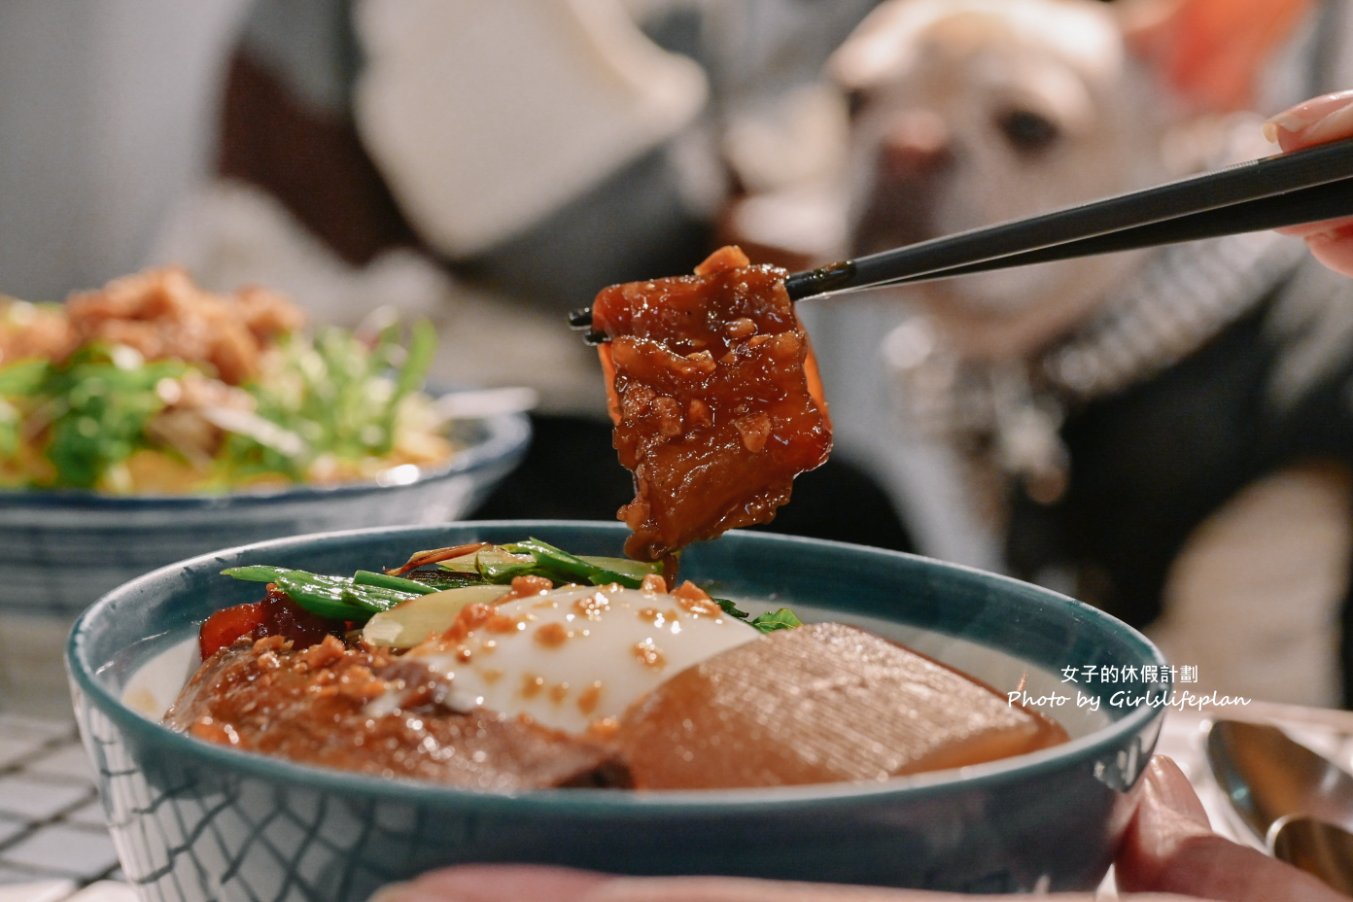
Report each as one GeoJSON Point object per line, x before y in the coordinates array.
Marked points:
{"type": "Point", "coordinates": [575, 656]}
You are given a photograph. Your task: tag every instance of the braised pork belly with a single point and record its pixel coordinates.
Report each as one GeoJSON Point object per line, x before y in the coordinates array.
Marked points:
{"type": "Point", "coordinates": [715, 397]}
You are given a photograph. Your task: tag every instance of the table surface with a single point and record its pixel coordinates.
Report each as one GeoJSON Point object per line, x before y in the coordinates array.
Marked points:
{"type": "Point", "coordinates": [53, 842]}
{"type": "Point", "coordinates": [54, 846]}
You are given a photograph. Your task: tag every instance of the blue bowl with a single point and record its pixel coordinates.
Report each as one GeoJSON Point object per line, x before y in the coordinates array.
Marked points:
{"type": "Point", "coordinates": [60, 550]}
{"type": "Point", "coordinates": [193, 820]}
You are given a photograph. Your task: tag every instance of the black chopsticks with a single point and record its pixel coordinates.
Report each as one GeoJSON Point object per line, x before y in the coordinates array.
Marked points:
{"type": "Point", "coordinates": [1287, 189]}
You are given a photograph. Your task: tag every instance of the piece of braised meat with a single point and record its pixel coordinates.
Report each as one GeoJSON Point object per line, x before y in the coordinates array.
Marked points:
{"type": "Point", "coordinates": [374, 713]}
{"type": "Point", "coordinates": [715, 397]}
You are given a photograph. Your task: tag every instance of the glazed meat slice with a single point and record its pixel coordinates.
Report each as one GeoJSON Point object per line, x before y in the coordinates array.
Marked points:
{"type": "Point", "coordinates": [374, 713]}
{"type": "Point", "coordinates": [818, 704]}
{"type": "Point", "coordinates": [715, 397]}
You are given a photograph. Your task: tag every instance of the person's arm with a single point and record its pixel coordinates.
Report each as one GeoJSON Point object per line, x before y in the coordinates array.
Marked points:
{"type": "Point", "coordinates": [1318, 121]}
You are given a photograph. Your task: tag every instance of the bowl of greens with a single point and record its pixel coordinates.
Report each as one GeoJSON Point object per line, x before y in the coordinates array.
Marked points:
{"type": "Point", "coordinates": [149, 421]}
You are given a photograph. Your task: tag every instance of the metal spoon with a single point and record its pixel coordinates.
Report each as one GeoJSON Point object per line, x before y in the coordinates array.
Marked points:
{"type": "Point", "coordinates": [1317, 847]}
{"type": "Point", "coordinates": [1290, 796]}
{"type": "Point", "coordinates": [1268, 776]}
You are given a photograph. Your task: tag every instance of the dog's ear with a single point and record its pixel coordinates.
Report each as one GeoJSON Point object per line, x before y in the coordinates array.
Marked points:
{"type": "Point", "coordinates": [1211, 52]}
{"type": "Point", "coordinates": [879, 45]}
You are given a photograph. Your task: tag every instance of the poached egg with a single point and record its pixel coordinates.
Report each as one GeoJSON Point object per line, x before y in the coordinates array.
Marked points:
{"type": "Point", "coordinates": [577, 657]}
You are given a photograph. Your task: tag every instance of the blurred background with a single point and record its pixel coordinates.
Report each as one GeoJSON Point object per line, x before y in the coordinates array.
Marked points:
{"type": "Point", "coordinates": [491, 166]}
{"type": "Point", "coordinates": [109, 115]}
{"type": "Point", "coordinates": [586, 151]}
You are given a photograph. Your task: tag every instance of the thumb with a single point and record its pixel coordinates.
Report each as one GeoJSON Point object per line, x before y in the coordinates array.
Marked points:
{"type": "Point", "coordinates": [1318, 121]}
{"type": "Point", "coordinates": [1170, 848]}
{"type": "Point", "coordinates": [1315, 121]}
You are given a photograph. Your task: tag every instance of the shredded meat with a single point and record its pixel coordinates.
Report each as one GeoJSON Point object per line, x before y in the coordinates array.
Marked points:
{"type": "Point", "coordinates": [38, 331]}
{"type": "Point", "coordinates": [162, 314]}
{"type": "Point", "coordinates": [715, 397]}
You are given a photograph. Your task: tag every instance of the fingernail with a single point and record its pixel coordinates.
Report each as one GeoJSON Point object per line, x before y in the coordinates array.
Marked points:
{"type": "Point", "coordinates": [1174, 790]}
{"type": "Point", "coordinates": [1320, 114]}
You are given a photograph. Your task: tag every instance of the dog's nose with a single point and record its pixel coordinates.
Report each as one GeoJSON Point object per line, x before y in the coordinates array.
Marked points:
{"type": "Point", "coordinates": [916, 141]}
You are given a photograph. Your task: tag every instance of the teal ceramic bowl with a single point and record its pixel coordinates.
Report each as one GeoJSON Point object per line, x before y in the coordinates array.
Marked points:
{"type": "Point", "coordinates": [197, 821]}
{"type": "Point", "coordinates": [59, 551]}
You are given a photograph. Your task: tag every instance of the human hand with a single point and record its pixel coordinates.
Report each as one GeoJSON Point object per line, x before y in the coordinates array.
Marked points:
{"type": "Point", "coordinates": [1169, 848]}
{"type": "Point", "coordinates": [1317, 121]}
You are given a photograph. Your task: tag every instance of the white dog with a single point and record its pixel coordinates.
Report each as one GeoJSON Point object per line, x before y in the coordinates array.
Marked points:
{"type": "Point", "coordinates": [1153, 425]}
